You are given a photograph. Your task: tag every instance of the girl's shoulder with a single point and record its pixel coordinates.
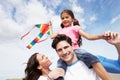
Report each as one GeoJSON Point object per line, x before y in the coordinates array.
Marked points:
{"type": "Point", "coordinates": [76, 27]}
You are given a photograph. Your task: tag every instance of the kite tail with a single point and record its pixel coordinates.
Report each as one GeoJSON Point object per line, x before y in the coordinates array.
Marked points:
{"type": "Point", "coordinates": [27, 32]}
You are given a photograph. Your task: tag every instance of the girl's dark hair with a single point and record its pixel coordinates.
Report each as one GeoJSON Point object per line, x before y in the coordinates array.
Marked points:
{"type": "Point", "coordinates": [31, 71]}
{"type": "Point", "coordinates": [79, 41]}
{"type": "Point", "coordinates": [75, 22]}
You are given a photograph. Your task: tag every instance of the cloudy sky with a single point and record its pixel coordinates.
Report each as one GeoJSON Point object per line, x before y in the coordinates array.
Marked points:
{"type": "Point", "coordinates": [18, 16]}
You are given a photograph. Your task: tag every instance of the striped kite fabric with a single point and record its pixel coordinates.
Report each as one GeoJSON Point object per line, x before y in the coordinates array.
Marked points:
{"type": "Point", "coordinates": [44, 29]}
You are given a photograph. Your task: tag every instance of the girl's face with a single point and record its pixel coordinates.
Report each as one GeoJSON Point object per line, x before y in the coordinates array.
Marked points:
{"type": "Point", "coordinates": [43, 61]}
{"type": "Point", "coordinates": [66, 19]}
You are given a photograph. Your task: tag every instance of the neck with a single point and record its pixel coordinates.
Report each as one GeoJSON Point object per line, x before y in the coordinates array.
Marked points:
{"type": "Point", "coordinates": [74, 59]}
{"type": "Point", "coordinates": [45, 72]}
{"type": "Point", "coordinates": [68, 26]}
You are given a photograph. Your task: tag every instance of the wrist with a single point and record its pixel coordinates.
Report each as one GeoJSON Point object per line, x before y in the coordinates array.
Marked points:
{"type": "Point", "coordinates": [49, 78]}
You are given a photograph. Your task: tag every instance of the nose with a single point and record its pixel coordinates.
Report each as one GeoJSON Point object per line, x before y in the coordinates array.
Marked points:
{"type": "Point", "coordinates": [65, 19]}
{"type": "Point", "coordinates": [46, 57]}
{"type": "Point", "coordinates": [64, 51]}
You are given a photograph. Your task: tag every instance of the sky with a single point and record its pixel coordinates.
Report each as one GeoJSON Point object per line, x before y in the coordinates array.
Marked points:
{"type": "Point", "coordinates": [18, 16]}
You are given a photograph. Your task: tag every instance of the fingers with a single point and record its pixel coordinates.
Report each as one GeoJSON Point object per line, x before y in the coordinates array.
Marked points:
{"type": "Point", "coordinates": [55, 73]}
{"type": "Point", "coordinates": [110, 35]}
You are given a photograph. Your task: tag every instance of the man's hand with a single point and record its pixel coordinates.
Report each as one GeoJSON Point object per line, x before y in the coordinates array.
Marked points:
{"type": "Point", "coordinates": [112, 37]}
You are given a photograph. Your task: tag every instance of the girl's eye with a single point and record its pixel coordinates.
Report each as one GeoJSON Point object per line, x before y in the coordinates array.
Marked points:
{"type": "Point", "coordinates": [66, 17]}
{"type": "Point", "coordinates": [62, 18]}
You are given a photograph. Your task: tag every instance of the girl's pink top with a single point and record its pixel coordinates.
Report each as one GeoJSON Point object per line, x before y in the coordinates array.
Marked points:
{"type": "Point", "coordinates": [73, 33]}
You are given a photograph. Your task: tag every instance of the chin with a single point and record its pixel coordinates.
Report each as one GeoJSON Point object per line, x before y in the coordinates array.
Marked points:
{"type": "Point", "coordinates": [67, 60]}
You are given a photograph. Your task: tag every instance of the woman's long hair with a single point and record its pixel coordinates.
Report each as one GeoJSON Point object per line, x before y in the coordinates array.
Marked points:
{"type": "Point", "coordinates": [75, 22]}
{"type": "Point", "coordinates": [31, 71]}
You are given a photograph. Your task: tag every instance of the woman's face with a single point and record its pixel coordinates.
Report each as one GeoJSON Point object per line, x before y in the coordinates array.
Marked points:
{"type": "Point", "coordinates": [43, 61]}
{"type": "Point", "coordinates": [66, 19]}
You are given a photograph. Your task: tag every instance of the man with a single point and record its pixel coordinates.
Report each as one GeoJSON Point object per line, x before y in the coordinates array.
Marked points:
{"type": "Point", "coordinates": [77, 68]}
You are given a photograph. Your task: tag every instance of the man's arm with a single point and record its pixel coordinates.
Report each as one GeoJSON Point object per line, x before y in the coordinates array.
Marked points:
{"type": "Point", "coordinates": [114, 39]}
{"type": "Point", "coordinates": [118, 49]}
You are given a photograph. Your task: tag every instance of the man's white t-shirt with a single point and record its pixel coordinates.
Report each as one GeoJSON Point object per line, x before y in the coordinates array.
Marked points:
{"type": "Point", "coordinates": [79, 71]}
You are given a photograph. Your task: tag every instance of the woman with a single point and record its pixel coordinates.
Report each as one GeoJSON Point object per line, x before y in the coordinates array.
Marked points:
{"type": "Point", "coordinates": [38, 69]}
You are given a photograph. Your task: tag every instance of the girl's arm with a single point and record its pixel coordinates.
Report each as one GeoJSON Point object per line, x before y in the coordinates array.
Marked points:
{"type": "Point", "coordinates": [100, 71]}
{"type": "Point", "coordinates": [52, 35]}
{"type": "Point", "coordinates": [89, 36]}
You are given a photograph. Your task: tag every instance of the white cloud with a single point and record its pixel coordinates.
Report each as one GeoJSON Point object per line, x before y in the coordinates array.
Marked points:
{"type": "Point", "coordinates": [82, 20]}
{"type": "Point", "coordinates": [51, 3]}
{"type": "Point", "coordinates": [56, 21]}
{"type": "Point", "coordinates": [93, 18]}
{"type": "Point", "coordinates": [115, 19]}
{"type": "Point", "coordinates": [78, 12]}
{"type": "Point", "coordinates": [77, 9]}
{"type": "Point", "coordinates": [9, 29]}
{"type": "Point", "coordinates": [90, 0]}
{"type": "Point", "coordinates": [36, 13]}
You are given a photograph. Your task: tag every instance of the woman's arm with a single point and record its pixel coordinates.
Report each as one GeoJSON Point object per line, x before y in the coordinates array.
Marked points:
{"type": "Point", "coordinates": [56, 74]}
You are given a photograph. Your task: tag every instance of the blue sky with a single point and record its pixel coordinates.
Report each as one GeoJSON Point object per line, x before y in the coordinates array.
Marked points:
{"type": "Point", "coordinates": [18, 16]}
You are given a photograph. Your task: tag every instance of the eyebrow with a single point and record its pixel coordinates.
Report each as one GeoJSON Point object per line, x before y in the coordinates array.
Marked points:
{"type": "Point", "coordinates": [43, 56]}
{"type": "Point", "coordinates": [63, 47]}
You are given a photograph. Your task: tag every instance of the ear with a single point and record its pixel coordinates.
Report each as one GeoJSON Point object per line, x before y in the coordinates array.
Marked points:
{"type": "Point", "coordinates": [39, 67]}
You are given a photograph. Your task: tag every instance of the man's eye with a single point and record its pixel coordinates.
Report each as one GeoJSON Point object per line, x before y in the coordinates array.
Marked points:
{"type": "Point", "coordinates": [66, 47]}
{"type": "Point", "coordinates": [59, 50]}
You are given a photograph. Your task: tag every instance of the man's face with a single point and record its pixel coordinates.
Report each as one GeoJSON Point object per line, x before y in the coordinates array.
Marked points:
{"type": "Point", "coordinates": [65, 52]}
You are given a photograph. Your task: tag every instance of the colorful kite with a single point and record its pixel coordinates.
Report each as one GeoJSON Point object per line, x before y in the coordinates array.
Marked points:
{"type": "Point", "coordinates": [44, 29]}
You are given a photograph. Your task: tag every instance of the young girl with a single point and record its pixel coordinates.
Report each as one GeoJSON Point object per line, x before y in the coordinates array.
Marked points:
{"type": "Point", "coordinates": [70, 27]}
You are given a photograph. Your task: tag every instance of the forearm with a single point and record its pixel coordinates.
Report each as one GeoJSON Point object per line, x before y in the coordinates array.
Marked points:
{"type": "Point", "coordinates": [56, 74]}
{"type": "Point", "coordinates": [118, 49]}
{"type": "Point", "coordinates": [52, 35]}
{"type": "Point", "coordinates": [94, 37]}
{"type": "Point", "coordinates": [91, 36]}
{"type": "Point", "coordinates": [100, 71]}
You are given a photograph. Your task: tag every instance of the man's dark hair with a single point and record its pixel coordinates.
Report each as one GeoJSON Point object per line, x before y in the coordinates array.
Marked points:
{"type": "Point", "coordinates": [61, 37]}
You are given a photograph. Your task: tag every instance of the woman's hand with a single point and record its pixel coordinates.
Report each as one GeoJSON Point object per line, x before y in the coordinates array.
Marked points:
{"type": "Point", "coordinates": [55, 73]}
